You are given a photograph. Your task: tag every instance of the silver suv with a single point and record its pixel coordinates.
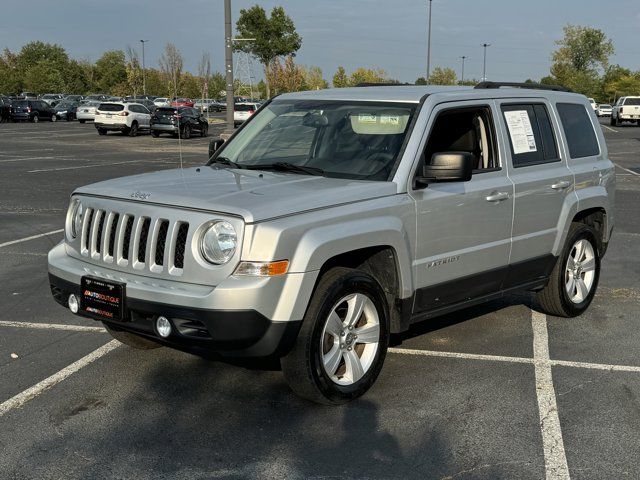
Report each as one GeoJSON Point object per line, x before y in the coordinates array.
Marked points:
{"type": "Point", "coordinates": [333, 219]}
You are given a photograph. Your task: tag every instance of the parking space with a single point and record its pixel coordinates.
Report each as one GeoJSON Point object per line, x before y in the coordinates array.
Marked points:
{"type": "Point", "coordinates": [496, 391]}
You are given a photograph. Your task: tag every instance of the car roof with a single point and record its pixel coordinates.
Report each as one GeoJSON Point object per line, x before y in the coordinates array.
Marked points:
{"type": "Point", "coordinates": [414, 93]}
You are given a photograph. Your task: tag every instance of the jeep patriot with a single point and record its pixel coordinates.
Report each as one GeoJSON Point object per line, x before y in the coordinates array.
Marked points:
{"type": "Point", "coordinates": [332, 219]}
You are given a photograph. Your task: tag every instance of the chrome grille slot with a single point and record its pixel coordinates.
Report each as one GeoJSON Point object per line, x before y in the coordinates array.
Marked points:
{"type": "Point", "coordinates": [96, 229]}
{"type": "Point", "coordinates": [111, 233]}
{"type": "Point", "coordinates": [86, 230]}
{"type": "Point", "coordinates": [100, 232]}
{"type": "Point", "coordinates": [143, 237]}
{"type": "Point", "coordinates": [180, 244]}
{"type": "Point", "coordinates": [126, 239]}
{"type": "Point", "coordinates": [161, 241]}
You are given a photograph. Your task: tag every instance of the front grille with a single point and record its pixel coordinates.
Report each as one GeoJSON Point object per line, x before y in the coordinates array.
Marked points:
{"type": "Point", "coordinates": [146, 243]}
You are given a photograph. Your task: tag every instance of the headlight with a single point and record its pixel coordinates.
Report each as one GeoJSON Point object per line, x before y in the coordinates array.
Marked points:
{"type": "Point", "coordinates": [218, 243]}
{"type": "Point", "coordinates": [75, 218]}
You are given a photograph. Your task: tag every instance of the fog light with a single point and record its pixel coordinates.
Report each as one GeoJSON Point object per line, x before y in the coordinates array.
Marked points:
{"type": "Point", "coordinates": [163, 327]}
{"type": "Point", "coordinates": [74, 305]}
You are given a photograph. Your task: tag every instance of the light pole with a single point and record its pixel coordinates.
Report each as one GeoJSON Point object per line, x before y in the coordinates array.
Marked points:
{"type": "Point", "coordinates": [484, 62]}
{"type": "Point", "coordinates": [228, 60]}
{"type": "Point", "coordinates": [144, 79]}
{"type": "Point", "coordinates": [462, 73]}
{"type": "Point", "coordinates": [429, 45]}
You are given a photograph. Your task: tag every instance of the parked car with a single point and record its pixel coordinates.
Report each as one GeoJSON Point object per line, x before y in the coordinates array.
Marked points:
{"type": "Point", "coordinates": [32, 111]}
{"type": "Point", "coordinates": [162, 102]}
{"type": "Point", "coordinates": [151, 106]}
{"type": "Point", "coordinates": [52, 98]}
{"type": "Point", "coordinates": [5, 109]}
{"type": "Point", "coordinates": [182, 102]}
{"type": "Point", "coordinates": [332, 220]}
{"type": "Point", "coordinates": [242, 111]}
{"type": "Point", "coordinates": [66, 110]}
{"type": "Point", "coordinates": [74, 98]}
{"type": "Point", "coordinates": [28, 96]}
{"type": "Point", "coordinates": [626, 109]}
{"type": "Point", "coordinates": [604, 110]}
{"type": "Point", "coordinates": [87, 111]}
{"type": "Point", "coordinates": [178, 120]}
{"type": "Point", "coordinates": [127, 118]}
{"type": "Point", "coordinates": [593, 103]}
{"type": "Point", "coordinates": [98, 97]}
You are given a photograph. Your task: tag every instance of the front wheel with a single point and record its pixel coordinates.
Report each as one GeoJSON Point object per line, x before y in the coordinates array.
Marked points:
{"type": "Point", "coordinates": [131, 340]}
{"type": "Point", "coordinates": [102, 131]}
{"type": "Point", "coordinates": [82, 121]}
{"type": "Point", "coordinates": [155, 133]}
{"type": "Point", "coordinates": [204, 131]}
{"type": "Point", "coordinates": [54, 118]}
{"type": "Point", "coordinates": [574, 279]}
{"type": "Point", "coordinates": [343, 340]}
{"type": "Point", "coordinates": [186, 132]}
{"type": "Point", "coordinates": [133, 131]}
{"type": "Point", "coordinates": [36, 118]}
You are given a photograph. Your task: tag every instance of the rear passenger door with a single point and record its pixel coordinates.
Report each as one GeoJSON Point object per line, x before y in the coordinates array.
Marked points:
{"type": "Point", "coordinates": [542, 182]}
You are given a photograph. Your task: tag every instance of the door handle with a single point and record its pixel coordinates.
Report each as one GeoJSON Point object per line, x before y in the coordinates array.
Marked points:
{"type": "Point", "coordinates": [561, 185]}
{"type": "Point", "coordinates": [497, 197]}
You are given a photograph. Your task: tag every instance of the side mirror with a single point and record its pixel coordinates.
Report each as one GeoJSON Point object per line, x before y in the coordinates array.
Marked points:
{"type": "Point", "coordinates": [214, 145]}
{"type": "Point", "coordinates": [447, 167]}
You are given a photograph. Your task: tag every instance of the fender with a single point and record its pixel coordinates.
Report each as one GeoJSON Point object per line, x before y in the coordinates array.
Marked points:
{"type": "Point", "coordinates": [321, 243]}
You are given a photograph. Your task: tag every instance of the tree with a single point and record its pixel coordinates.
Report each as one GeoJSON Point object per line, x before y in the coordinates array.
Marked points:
{"type": "Point", "coordinates": [204, 72]}
{"type": "Point", "coordinates": [285, 76]}
{"type": "Point", "coordinates": [313, 78]}
{"type": "Point", "coordinates": [368, 75]}
{"type": "Point", "coordinates": [618, 81]}
{"type": "Point", "coordinates": [34, 52]}
{"type": "Point", "coordinates": [134, 72]}
{"type": "Point", "coordinates": [44, 76]}
{"type": "Point", "coordinates": [218, 85]}
{"type": "Point", "coordinates": [10, 78]}
{"type": "Point", "coordinates": [273, 36]}
{"type": "Point", "coordinates": [443, 76]}
{"type": "Point", "coordinates": [340, 79]}
{"type": "Point", "coordinates": [171, 66]}
{"type": "Point", "coordinates": [190, 86]}
{"type": "Point", "coordinates": [110, 71]}
{"type": "Point", "coordinates": [421, 81]}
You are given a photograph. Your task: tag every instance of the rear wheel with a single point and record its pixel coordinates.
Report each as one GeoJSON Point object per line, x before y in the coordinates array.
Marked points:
{"type": "Point", "coordinates": [133, 131]}
{"type": "Point", "coordinates": [36, 118]}
{"type": "Point", "coordinates": [574, 279]}
{"type": "Point", "coordinates": [343, 340]}
{"type": "Point", "coordinates": [102, 131]}
{"type": "Point", "coordinates": [155, 134]}
{"type": "Point", "coordinates": [131, 340]}
{"type": "Point", "coordinates": [82, 121]}
{"type": "Point", "coordinates": [54, 118]}
{"type": "Point", "coordinates": [186, 132]}
{"type": "Point", "coordinates": [204, 131]}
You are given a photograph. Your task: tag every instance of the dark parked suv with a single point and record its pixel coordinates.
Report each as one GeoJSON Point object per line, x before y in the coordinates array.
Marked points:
{"type": "Point", "coordinates": [185, 120]}
{"type": "Point", "coordinates": [33, 111]}
{"type": "Point", "coordinates": [5, 109]}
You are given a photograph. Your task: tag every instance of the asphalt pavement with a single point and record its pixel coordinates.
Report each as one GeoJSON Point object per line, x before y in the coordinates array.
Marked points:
{"type": "Point", "coordinates": [491, 392]}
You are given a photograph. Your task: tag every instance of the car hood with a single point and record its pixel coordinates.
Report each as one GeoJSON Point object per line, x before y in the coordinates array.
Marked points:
{"type": "Point", "coordinates": [254, 195]}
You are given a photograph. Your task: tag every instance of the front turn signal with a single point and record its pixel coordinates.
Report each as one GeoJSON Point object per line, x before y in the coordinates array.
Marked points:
{"type": "Point", "coordinates": [263, 269]}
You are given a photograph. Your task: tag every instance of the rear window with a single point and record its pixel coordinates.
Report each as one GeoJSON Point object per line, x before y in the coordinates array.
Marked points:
{"type": "Point", "coordinates": [110, 107]}
{"type": "Point", "coordinates": [21, 103]}
{"type": "Point", "coordinates": [632, 101]}
{"type": "Point", "coordinates": [578, 130]}
{"type": "Point", "coordinates": [243, 107]}
{"type": "Point", "coordinates": [166, 111]}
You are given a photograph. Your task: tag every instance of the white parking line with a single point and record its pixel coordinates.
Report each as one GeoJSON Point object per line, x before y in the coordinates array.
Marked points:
{"type": "Point", "coordinates": [555, 458]}
{"type": "Point", "coordinates": [609, 128]}
{"type": "Point", "coordinates": [32, 237]}
{"type": "Point", "coordinates": [51, 326]}
{"type": "Point", "coordinates": [32, 392]}
{"type": "Point", "coordinates": [467, 356]}
{"type": "Point", "coordinates": [627, 170]}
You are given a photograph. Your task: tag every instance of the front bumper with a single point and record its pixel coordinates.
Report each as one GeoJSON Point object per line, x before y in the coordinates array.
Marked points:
{"type": "Point", "coordinates": [242, 317]}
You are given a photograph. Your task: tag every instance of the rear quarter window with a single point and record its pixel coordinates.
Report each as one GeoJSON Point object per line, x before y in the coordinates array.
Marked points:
{"type": "Point", "coordinates": [578, 130]}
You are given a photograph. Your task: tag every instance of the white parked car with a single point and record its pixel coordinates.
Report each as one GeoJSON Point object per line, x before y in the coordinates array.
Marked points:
{"type": "Point", "coordinates": [593, 103]}
{"type": "Point", "coordinates": [87, 111]}
{"type": "Point", "coordinates": [604, 110]}
{"type": "Point", "coordinates": [161, 102]}
{"type": "Point", "coordinates": [127, 118]}
{"type": "Point", "coordinates": [242, 112]}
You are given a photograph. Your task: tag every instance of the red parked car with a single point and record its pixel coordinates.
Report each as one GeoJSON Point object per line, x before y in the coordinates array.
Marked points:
{"type": "Point", "coordinates": [182, 102]}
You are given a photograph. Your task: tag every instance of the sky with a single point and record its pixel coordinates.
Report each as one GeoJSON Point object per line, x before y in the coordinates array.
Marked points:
{"type": "Point", "coordinates": [390, 34]}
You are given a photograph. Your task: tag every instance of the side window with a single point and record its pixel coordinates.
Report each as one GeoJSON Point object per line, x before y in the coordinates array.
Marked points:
{"type": "Point", "coordinates": [467, 129]}
{"type": "Point", "coordinates": [578, 129]}
{"type": "Point", "coordinates": [530, 134]}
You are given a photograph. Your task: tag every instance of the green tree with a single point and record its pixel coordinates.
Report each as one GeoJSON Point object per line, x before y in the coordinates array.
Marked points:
{"type": "Point", "coordinates": [368, 75]}
{"type": "Point", "coordinates": [190, 86]}
{"type": "Point", "coordinates": [313, 78]}
{"type": "Point", "coordinates": [285, 76]}
{"type": "Point", "coordinates": [44, 76]}
{"type": "Point", "coordinates": [274, 36]}
{"type": "Point", "coordinates": [340, 78]}
{"type": "Point", "coordinates": [171, 64]}
{"type": "Point", "coordinates": [110, 71]}
{"type": "Point", "coordinates": [218, 85]}
{"type": "Point", "coordinates": [75, 78]}
{"type": "Point", "coordinates": [34, 52]}
{"type": "Point", "coordinates": [421, 81]}
{"type": "Point", "coordinates": [443, 76]}
{"type": "Point", "coordinates": [10, 78]}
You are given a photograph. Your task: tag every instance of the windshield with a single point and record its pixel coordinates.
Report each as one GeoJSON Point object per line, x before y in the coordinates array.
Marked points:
{"type": "Point", "coordinates": [359, 140]}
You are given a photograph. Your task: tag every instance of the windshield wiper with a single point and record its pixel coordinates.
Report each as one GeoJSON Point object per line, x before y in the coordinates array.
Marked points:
{"type": "Point", "coordinates": [226, 161]}
{"type": "Point", "coordinates": [289, 167]}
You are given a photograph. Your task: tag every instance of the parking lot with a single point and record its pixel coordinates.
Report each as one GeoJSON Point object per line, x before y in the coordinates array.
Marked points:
{"type": "Point", "coordinates": [496, 391]}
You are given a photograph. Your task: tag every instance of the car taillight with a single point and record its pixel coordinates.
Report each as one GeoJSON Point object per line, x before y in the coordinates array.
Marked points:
{"type": "Point", "coordinates": [123, 114]}
{"type": "Point", "coordinates": [29, 109]}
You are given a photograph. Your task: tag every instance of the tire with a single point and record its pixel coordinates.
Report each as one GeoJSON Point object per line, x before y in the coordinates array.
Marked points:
{"type": "Point", "coordinates": [155, 134]}
{"type": "Point", "coordinates": [36, 118]}
{"type": "Point", "coordinates": [204, 130]}
{"type": "Point", "coordinates": [133, 131]}
{"type": "Point", "coordinates": [186, 132]}
{"type": "Point", "coordinates": [102, 131]}
{"type": "Point", "coordinates": [82, 121]}
{"type": "Point", "coordinates": [131, 340]}
{"type": "Point", "coordinates": [555, 298]}
{"type": "Point", "coordinates": [335, 381]}
{"type": "Point", "coordinates": [54, 118]}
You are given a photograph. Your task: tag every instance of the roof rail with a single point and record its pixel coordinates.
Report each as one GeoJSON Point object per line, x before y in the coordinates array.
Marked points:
{"type": "Point", "coordinates": [385, 84]}
{"type": "Point", "coordinates": [533, 86]}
